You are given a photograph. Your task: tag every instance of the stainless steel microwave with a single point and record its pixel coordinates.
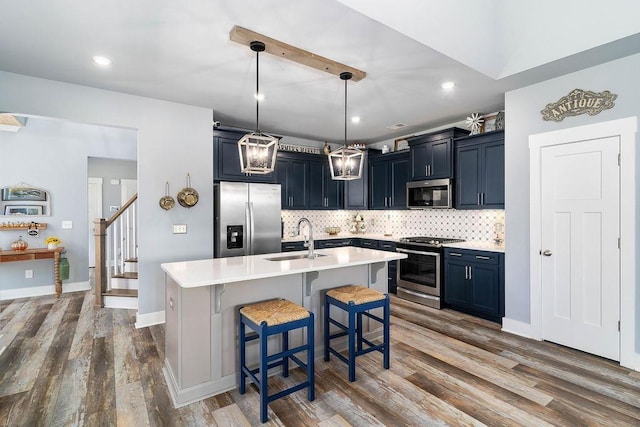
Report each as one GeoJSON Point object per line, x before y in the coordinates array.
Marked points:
{"type": "Point", "coordinates": [434, 194]}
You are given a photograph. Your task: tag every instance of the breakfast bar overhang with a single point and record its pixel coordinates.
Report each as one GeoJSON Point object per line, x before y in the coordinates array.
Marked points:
{"type": "Point", "coordinates": [202, 298]}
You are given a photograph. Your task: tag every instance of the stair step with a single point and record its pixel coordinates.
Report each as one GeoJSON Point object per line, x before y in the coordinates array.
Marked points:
{"type": "Point", "coordinates": [126, 275]}
{"type": "Point", "coordinates": [131, 260]}
{"type": "Point", "coordinates": [131, 293]}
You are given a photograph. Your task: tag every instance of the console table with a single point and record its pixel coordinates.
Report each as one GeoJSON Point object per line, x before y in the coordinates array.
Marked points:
{"type": "Point", "coordinates": [35, 254]}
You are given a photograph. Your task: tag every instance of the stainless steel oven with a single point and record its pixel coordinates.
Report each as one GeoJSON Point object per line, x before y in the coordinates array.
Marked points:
{"type": "Point", "coordinates": [419, 275]}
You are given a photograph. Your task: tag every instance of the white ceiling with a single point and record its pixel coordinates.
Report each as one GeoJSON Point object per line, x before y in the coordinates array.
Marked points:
{"type": "Point", "coordinates": [180, 51]}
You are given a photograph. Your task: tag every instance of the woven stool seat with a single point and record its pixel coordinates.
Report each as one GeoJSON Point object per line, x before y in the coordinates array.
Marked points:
{"type": "Point", "coordinates": [274, 312]}
{"type": "Point", "coordinates": [356, 294]}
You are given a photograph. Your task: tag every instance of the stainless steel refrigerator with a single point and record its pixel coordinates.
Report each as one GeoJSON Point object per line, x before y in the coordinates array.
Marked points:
{"type": "Point", "coordinates": [246, 219]}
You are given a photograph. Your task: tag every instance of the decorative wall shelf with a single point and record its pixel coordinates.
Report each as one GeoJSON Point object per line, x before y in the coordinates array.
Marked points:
{"type": "Point", "coordinates": [22, 226]}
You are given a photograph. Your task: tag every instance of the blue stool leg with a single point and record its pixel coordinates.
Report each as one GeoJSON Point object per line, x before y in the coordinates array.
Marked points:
{"type": "Point", "coordinates": [263, 373]}
{"type": "Point", "coordinates": [285, 359]}
{"type": "Point", "coordinates": [311, 392]}
{"type": "Point", "coordinates": [243, 376]}
{"type": "Point", "coordinates": [359, 332]}
{"type": "Point", "coordinates": [387, 337]}
{"type": "Point", "coordinates": [326, 327]}
{"type": "Point", "coordinates": [352, 337]}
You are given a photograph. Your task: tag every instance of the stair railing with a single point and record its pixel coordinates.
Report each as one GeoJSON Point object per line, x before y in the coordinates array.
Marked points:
{"type": "Point", "coordinates": [116, 241]}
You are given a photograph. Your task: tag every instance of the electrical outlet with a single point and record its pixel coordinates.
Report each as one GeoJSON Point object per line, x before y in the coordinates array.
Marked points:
{"type": "Point", "coordinates": [28, 274]}
{"type": "Point", "coordinates": [67, 224]}
{"type": "Point", "coordinates": [179, 228]}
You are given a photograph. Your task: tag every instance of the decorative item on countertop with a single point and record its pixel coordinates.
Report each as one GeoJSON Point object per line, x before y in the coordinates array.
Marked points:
{"type": "Point", "coordinates": [474, 122]}
{"type": "Point", "coordinates": [188, 197]}
{"type": "Point", "coordinates": [358, 225]}
{"type": "Point", "coordinates": [52, 242]}
{"type": "Point", "coordinates": [19, 245]}
{"type": "Point", "coordinates": [167, 202]}
{"type": "Point", "coordinates": [326, 149]}
{"type": "Point", "coordinates": [498, 228]}
{"type": "Point", "coordinates": [333, 231]}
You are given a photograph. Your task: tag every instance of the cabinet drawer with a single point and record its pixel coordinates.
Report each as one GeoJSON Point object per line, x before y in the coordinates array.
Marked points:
{"type": "Point", "coordinates": [369, 243]}
{"type": "Point", "coordinates": [387, 246]}
{"type": "Point", "coordinates": [333, 243]}
{"type": "Point", "coordinates": [292, 246]}
{"type": "Point", "coordinates": [470, 255]}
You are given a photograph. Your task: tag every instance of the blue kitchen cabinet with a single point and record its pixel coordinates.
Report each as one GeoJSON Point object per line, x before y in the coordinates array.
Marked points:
{"type": "Point", "coordinates": [388, 176]}
{"type": "Point", "coordinates": [332, 243]}
{"type": "Point", "coordinates": [356, 191]}
{"type": "Point", "coordinates": [293, 246]}
{"type": "Point", "coordinates": [324, 192]}
{"type": "Point", "coordinates": [226, 159]}
{"type": "Point", "coordinates": [431, 155]}
{"type": "Point", "coordinates": [480, 171]}
{"type": "Point", "coordinates": [474, 282]}
{"type": "Point", "coordinates": [292, 173]}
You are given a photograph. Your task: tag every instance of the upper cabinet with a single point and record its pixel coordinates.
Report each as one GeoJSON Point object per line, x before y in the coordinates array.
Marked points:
{"type": "Point", "coordinates": [480, 171]}
{"type": "Point", "coordinates": [388, 176]}
{"type": "Point", "coordinates": [226, 159]}
{"type": "Point", "coordinates": [431, 155]}
{"type": "Point", "coordinates": [324, 192]}
{"type": "Point", "coordinates": [24, 200]}
{"type": "Point", "coordinates": [292, 173]}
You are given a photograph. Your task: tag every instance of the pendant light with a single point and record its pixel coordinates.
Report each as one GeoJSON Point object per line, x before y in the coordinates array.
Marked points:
{"type": "Point", "coordinates": [257, 150]}
{"type": "Point", "coordinates": [346, 162]}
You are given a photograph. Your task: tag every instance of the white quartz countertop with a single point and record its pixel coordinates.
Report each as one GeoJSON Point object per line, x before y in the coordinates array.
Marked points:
{"type": "Point", "coordinates": [206, 272]}
{"type": "Point", "coordinates": [343, 235]}
{"type": "Point", "coordinates": [480, 246]}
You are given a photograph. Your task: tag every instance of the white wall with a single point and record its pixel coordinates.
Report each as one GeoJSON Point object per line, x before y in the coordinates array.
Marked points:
{"type": "Point", "coordinates": [173, 139]}
{"type": "Point", "coordinates": [523, 118]}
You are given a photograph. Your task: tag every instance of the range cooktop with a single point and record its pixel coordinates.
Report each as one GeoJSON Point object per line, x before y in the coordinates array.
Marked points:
{"type": "Point", "coordinates": [429, 241]}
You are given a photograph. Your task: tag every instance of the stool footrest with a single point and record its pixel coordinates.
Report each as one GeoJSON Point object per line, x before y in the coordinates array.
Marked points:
{"type": "Point", "coordinates": [288, 391]}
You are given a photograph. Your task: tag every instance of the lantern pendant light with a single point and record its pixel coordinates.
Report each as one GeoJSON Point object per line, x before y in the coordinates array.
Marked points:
{"type": "Point", "coordinates": [346, 163]}
{"type": "Point", "coordinates": [257, 150]}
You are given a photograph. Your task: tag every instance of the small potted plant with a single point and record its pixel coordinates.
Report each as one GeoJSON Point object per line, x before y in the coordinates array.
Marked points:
{"type": "Point", "coordinates": [52, 242]}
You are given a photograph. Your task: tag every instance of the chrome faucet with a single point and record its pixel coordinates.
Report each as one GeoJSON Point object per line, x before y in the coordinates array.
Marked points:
{"type": "Point", "coordinates": [308, 243]}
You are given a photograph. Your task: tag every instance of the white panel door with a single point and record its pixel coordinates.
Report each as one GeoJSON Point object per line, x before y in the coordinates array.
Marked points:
{"type": "Point", "coordinates": [128, 187]}
{"type": "Point", "coordinates": [94, 196]}
{"type": "Point", "coordinates": [580, 203]}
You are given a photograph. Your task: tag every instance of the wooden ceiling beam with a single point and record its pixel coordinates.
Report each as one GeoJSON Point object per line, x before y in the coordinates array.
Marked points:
{"type": "Point", "coordinates": [275, 47]}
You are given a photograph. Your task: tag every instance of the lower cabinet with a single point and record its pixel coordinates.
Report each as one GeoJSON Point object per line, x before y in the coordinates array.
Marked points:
{"type": "Point", "coordinates": [293, 246]}
{"type": "Point", "coordinates": [332, 243]}
{"type": "Point", "coordinates": [474, 282]}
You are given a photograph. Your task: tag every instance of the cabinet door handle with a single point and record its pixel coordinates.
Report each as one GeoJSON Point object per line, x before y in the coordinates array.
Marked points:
{"type": "Point", "coordinates": [426, 170]}
{"type": "Point", "coordinates": [478, 197]}
{"type": "Point", "coordinates": [454, 254]}
{"type": "Point", "coordinates": [482, 198]}
{"type": "Point", "coordinates": [466, 272]}
{"type": "Point", "coordinates": [482, 257]}
{"type": "Point", "coordinates": [470, 272]}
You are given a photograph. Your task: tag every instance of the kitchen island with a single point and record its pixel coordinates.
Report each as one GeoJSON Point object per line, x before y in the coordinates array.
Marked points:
{"type": "Point", "coordinates": [202, 298]}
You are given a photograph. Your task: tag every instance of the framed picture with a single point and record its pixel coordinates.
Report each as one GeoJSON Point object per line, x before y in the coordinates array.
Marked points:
{"type": "Point", "coordinates": [22, 210]}
{"type": "Point", "coordinates": [23, 194]}
{"type": "Point", "coordinates": [489, 124]}
{"type": "Point", "coordinates": [400, 144]}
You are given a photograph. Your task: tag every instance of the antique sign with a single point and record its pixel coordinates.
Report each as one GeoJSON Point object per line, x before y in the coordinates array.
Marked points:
{"type": "Point", "coordinates": [578, 102]}
{"type": "Point", "coordinates": [298, 148]}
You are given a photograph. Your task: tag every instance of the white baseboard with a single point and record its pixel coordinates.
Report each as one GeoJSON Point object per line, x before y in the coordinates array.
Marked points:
{"type": "Point", "coordinates": [149, 319]}
{"type": "Point", "coordinates": [37, 291]}
{"type": "Point", "coordinates": [129, 303]}
{"type": "Point", "coordinates": [517, 327]}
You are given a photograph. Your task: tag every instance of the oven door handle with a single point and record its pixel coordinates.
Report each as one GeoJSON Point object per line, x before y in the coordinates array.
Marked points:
{"type": "Point", "coordinates": [407, 251]}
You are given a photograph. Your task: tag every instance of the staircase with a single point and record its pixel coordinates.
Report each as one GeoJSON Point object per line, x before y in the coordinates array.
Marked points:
{"type": "Point", "coordinates": [116, 275]}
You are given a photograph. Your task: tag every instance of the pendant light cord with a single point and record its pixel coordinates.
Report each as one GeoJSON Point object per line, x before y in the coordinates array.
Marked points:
{"type": "Point", "coordinates": [257, 91]}
{"type": "Point", "coordinates": [345, 112]}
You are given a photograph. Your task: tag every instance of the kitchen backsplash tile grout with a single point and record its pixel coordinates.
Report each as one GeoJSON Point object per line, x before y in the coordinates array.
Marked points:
{"type": "Point", "coordinates": [461, 224]}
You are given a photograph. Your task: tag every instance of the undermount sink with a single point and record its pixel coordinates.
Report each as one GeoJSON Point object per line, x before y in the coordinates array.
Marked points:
{"type": "Point", "coordinates": [292, 257]}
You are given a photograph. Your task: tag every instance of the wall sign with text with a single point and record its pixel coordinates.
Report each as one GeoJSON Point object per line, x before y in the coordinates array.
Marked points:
{"type": "Point", "coordinates": [578, 102]}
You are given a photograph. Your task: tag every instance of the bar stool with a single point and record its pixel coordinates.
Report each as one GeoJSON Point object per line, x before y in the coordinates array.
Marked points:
{"type": "Point", "coordinates": [268, 318]}
{"type": "Point", "coordinates": [356, 301]}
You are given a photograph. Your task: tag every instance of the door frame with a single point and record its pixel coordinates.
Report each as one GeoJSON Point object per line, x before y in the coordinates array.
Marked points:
{"type": "Point", "coordinates": [625, 129]}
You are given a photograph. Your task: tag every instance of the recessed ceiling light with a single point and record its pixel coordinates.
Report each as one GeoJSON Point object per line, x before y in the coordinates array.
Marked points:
{"type": "Point", "coordinates": [259, 96]}
{"type": "Point", "coordinates": [355, 119]}
{"type": "Point", "coordinates": [447, 85]}
{"type": "Point", "coordinates": [103, 61]}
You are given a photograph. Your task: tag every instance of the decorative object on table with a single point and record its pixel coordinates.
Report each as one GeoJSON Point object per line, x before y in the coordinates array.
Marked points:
{"type": "Point", "coordinates": [333, 231]}
{"type": "Point", "coordinates": [578, 102]}
{"type": "Point", "coordinates": [167, 202]}
{"type": "Point", "coordinates": [52, 242]}
{"type": "Point", "coordinates": [326, 149]}
{"type": "Point", "coordinates": [257, 150]}
{"type": "Point", "coordinates": [188, 197]}
{"type": "Point", "coordinates": [346, 163]}
{"type": "Point", "coordinates": [474, 122]}
{"type": "Point", "coordinates": [19, 245]}
{"type": "Point", "coordinates": [500, 120]}
{"type": "Point", "coordinates": [358, 225]}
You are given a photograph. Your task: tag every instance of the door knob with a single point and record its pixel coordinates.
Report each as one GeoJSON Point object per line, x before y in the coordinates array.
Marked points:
{"type": "Point", "coordinates": [546, 253]}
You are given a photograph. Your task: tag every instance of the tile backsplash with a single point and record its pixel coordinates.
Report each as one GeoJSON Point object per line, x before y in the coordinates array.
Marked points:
{"type": "Point", "coordinates": [460, 224]}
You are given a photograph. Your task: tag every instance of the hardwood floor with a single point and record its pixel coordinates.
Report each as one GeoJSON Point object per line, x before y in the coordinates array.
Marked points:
{"type": "Point", "coordinates": [64, 363]}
